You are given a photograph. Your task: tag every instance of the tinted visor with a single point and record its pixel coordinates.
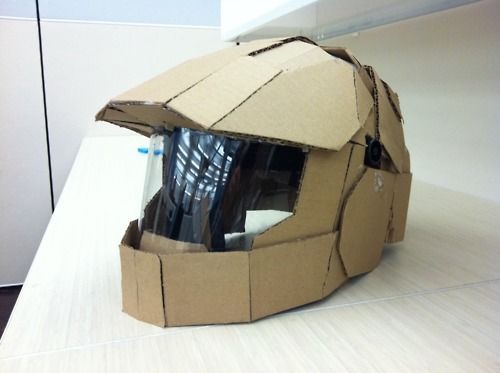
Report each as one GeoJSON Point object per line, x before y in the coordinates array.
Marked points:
{"type": "Point", "coordinates": [199, 186]}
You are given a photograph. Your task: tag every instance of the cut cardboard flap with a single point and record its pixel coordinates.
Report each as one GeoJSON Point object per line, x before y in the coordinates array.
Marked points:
{"type": "Point", "coordinates": [220, 93]}
{"type": "Point", "coordinates": [171, 83]}
{"type": "Point", "coordinates": [204, 288]}
{"type": "Point", "coordinates": [390, 127]}
{"type": "Point", "coordinates": [288, 275]}
{"type": "Point", "coordinates": [364, 222]}
{"type": "Point", "coordinates": [319, 195]}
{"type": "Point", "coordinates": [142, 294]}
{"type": "Point", "coordinates": [157, 244]}
{"type": "Point", "coordinates": [314, 105]}
{"type": "Point", "coordinates": [282, 90]}
{"type": "Point", "coordinates": [399, 208]}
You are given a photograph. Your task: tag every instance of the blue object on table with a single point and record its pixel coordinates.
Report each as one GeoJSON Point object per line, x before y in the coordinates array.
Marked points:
{"type": "Point", "coordinates": [145, 150]}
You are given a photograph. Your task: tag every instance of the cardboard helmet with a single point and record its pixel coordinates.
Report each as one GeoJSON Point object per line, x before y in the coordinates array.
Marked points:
{"type": "Point", "coordinates": [280, 124]}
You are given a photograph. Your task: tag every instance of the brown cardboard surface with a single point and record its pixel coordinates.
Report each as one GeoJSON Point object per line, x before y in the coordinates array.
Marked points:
{"type": "Point", "coordinates": [132, 236]}
{"type": "Point", "coordinates": [130, 303]}
{"type": "Point", "coordinates": [149, 288]}
{"type": "Point", "coordinates": [206, 288]}
{"type": "Point", "coordinates": [367, 129]}
{"type": "Point", "coordinates": [355, 171]}
{"type": "Point", "coordinates": [399, 209]}
{"type": "Point", "coordinates": [286, 91]}
{"type": "Point", "coordinates": [364, 100]}
{"type": "Point", "coordinates": [336, 275]}
{"type": "Point", "coordinates": [314, 105]}
{"type": "Point", "coordinates": [347, 55]}
{"type": "Point", "coordinates": [344, 54]}
{"type": "Point", "coordinates": [393, 96]}
{"type": "Point", "coordinates": [139, 128]}
{"type": "Point", "coordinates": [318, 199]}
{"type": "Point", "coordinates": [157, 244]}
{"type": "Point", "coordinates": [364, 222]}
{"type": "Point", "coordinates": [288, 275]}
{"type": "Point", "coordinates": [220, 93]}
{"type": "Point", "coordinates": [241, 91]}
{"type": "Point", "coordinates": [281, 57]}
{"type": "Point", "coordinates": [391, 128]}
{"type": "Point", "coordinates": [183, 76]}
{"type": "Point", "coordinates": [142, 295]}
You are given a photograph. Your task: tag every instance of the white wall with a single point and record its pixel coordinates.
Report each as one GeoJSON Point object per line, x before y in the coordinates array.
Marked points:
{"type": "Point", "coordinates": [446, 69]}
{"type": "Point", "coordinates": [24, 175]}
{"type": "Point", "coordinates": [86, 64]}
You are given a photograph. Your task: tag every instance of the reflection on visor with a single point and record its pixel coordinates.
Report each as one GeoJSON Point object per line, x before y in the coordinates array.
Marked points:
{"type": "Point", "coordinates": [209, 182]}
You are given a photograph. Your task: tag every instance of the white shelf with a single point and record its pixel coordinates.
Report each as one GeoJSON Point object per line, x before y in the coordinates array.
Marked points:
{"type": "Point", "coordinates": [319, 19]}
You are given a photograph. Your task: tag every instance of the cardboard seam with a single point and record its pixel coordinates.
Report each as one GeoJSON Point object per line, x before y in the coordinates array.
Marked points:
{"type": "Point", "coordinates": [328, 268]}
{"type": "Point", "coordinates": [393, 105]}
{"type": "Point", "coordinates": [192, 85]}
{"type": "Point", "coordinates": [337, 216]}
{"type": "Point", "coordinates": [371, 74]}
{"type": "Point", "coordinates": [249, 286]}
{"type": "Point", "coordinates": [341, 214]}
{"type": "Point", "coordinates": [294, 206]}
{"type": "Point", "coordinates": [357, 99]}
{"type": "Point", "coordinates": [136, 286]}
{"type": "Point", "coordinates": [245, 100]}
{"type": "Point", "coordinates": [163, 295]}
{"type": "Point", "coordinates": [280, 43]}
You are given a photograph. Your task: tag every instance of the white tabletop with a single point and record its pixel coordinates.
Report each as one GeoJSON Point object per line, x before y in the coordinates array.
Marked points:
{"type": "Point", "coordinates": [432, 304]}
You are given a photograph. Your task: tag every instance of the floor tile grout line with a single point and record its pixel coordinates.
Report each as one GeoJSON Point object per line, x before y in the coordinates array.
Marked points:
{"type": "Point", "coordinates": [400, 296]}
{"type": "Point", "coordinates": [97, 344]}
{"type": "Point", "coordinates": [301, 312]}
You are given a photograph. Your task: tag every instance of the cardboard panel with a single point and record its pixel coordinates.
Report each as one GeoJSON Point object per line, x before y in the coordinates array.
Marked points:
{"type": "Point", "coordinates": [343, 54]}
{"type": "Point", "coordinates": [364, 99]}
{"type": "Point", "coordinates": [391, 128]}
{"type": "Point", "coordinates": [336, 275]}
{"type": "Point", "coordinates": [157, 244]}
{"type": "Point", "coordinates": [130, 303]}
{"type": "Point", "coordinates": [214, 97]}
{"type": "Point", "coordinates": [185, 75]}
{"type": "Point", "coordinates": [399, 209]}
{"type": "Point", "coordinates": [206, 288]}
{"type": "Point", "coordinates": [314, 105]}
{"type": "Point", "coordinates": [367, 129]}
{"type": "Point", "coordinates": [311, 57]}
{"type": "Point", "coordinates": [279, 57]}
{"type": "Point", "coordinates": [318, 200]}
{"type": "Point", "coordinates": [112, 113]}
{"type": "Point", "coordinates": [347, 55]}
{"type": "Point", "coordinates": [288, 275]}
{"type": "Point", "coordinates": [149, 288]}
{"type": "Point", "coordinates": [354, 173]}
{"type": "Point", "coordinates": [364, 222]}
{"type": "Point", "coordinates": [142, 294]}
{"type": "Point", "coordinates": [406, 162]}
{"type": "Point", "coordinates": [393, 96]}
{"type": "Point", "coordinates": [356, 169]}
